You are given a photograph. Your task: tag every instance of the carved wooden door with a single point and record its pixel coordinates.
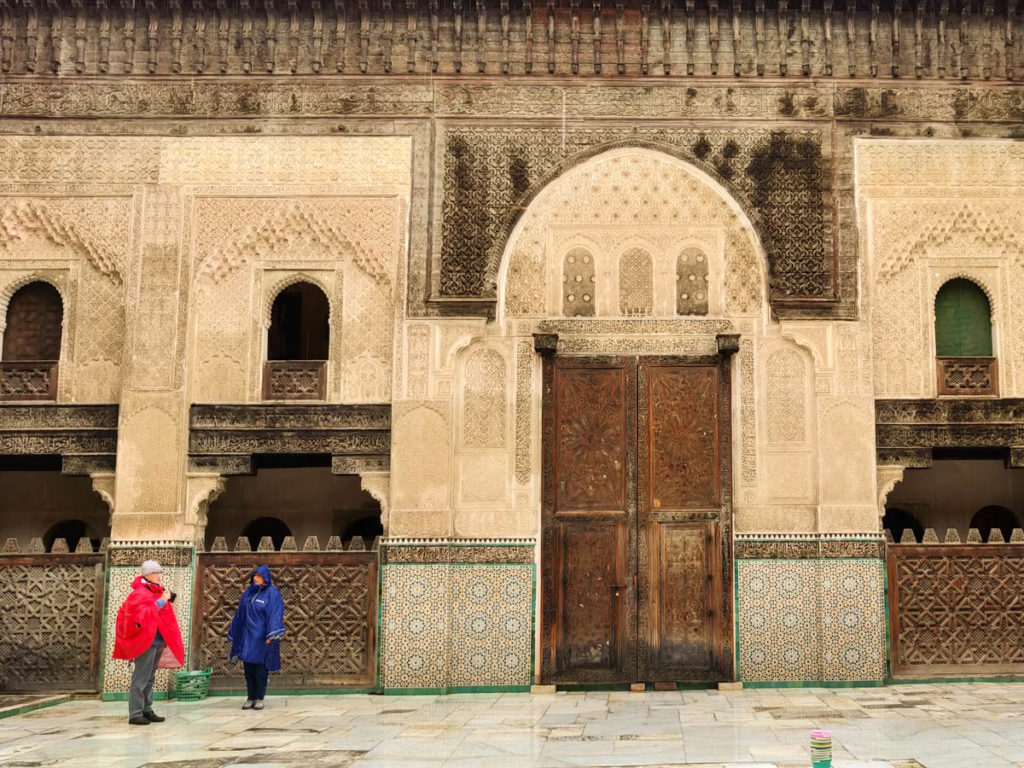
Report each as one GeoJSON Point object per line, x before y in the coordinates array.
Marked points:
{"type": "Point", "coordinates": [633, 547]}
{"type": "Point", "coordinates": [678, 510]}
{"type": "Point", "coordinates": [590, 528]}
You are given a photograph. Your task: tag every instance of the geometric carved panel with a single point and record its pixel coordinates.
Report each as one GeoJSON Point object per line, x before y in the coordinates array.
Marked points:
{"type": "Point", "coordinates": [957, 609]}
{"type": "Point", "coordinates": [330, 608]}
{"type": "Point", "coordinates": [50, 622]}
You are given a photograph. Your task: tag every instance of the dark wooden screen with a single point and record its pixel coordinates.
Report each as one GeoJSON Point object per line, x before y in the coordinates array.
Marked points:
{"type": "Point", "coordinates": [589, 541]}
{"type": "Point", "coordinates": [680, 559]}
{"type": "Point", "coordinates": [635, 555]}
{"type": "Point", "coordinates": [50, 612]}
{"type": "Point", "coordinates": [34, 321]}
{"type": "Point", "coordinates": [330, 615]}
{"type": "Point", "coordinates": [956, 610]}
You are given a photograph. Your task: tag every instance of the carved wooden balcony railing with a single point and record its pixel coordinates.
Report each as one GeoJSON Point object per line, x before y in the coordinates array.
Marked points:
{"type": "Point", "coordinates": [28, 380]}
{"type": "Point", "coordinates": [295, 380]}
{"type": "Point", "coordinates": [961, 376]}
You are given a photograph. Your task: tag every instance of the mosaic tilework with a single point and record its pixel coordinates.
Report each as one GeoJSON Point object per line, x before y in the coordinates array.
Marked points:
{"type": "Point", "coordinates": [491, 625]}
{"type": "Point", "coordinates": [117, 673]}
{"type": "Point", "coordinates": [810, 620]}
{"type": "Point", "coordinates": [445, 626]}
{"type": "Point", "coordinates": [414, 626]}
{"type": "Point", "coordinates": [853, 619]}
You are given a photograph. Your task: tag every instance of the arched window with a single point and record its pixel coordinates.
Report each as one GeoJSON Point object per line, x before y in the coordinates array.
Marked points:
{"type": "Point", "coordinates": [994, 516]}
{"type": "Point", "coordinates": [898, 520]}
{"type": "Point", "coordinates": [692, 282]}
{"type": "Point", "coordinates": [578, 284]}
{"type": "Point", "coordinates": [266, 526]}
{"type": "Point", "coordinates": [299, 326]}
{"type": "Point", "coordinates": [963, 321]}
{"type": "Point", "coordinates": [298, 344]}
{"type": "Point", "coordinates": [963, 340]}
{"type": "Point", "coordinates": [636, 283]}
{"type": "Point", "coordinates": [31, 348]}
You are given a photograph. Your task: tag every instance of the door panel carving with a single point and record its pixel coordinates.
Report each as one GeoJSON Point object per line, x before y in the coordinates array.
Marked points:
{"type": "Point", "coordinates": [683, 408]}
{"type": "Point", "coordinates": [636, 520]}
{"type": "Point", "coordinates": [591, 446]}
{"type": "Point", "coordinates": [592, 609]}
{"type": "Point", "coordinates": [589, 543]}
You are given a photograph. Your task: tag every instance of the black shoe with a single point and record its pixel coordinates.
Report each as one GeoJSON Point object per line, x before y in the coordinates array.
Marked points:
{"type": "Point", "coordinates": [153, 717]}
{"type": "Point", "coordinates": [138, 721]}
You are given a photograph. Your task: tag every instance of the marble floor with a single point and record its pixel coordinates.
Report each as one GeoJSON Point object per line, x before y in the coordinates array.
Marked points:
{"type": "Point", "coordinates": [963, 725]}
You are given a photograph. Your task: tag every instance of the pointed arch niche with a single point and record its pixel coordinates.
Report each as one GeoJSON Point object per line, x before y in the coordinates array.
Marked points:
{"type": "Point", "coordinates": [636, 212]}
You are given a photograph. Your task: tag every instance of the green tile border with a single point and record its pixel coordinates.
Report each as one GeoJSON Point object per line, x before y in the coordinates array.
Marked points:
{"type": "Point", "coordinates": [123, 696]}
{"type": "Point", "coordinates": [43, 703]}
{"type": "Point", "coordinates": [817, 684]}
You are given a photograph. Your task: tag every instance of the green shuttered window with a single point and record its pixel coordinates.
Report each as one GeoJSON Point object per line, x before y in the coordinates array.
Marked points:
{"type": "Point", "coordinates": [963, 321]}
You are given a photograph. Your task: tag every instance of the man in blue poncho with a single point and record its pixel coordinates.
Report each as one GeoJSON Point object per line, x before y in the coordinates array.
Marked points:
{"type": "Point", "coordinates": [255, 633]}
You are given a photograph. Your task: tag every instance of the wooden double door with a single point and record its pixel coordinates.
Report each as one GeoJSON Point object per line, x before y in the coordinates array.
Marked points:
{"type": "Point", "coordinates": [636, 509]}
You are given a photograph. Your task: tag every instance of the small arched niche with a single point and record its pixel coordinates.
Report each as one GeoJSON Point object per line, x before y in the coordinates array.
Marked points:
{"type": "Point", "coordinates": [298, 344]}
{"type": "Point", "coordinates": [34, 327]}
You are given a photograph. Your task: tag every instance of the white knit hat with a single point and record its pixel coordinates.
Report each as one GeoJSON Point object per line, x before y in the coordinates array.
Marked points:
{"type": "Point", "coordinates": [151, 566]}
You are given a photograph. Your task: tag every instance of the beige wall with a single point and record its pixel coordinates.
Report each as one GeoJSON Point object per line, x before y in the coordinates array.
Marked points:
{"type": "Point", "coordinates": [169, 252]}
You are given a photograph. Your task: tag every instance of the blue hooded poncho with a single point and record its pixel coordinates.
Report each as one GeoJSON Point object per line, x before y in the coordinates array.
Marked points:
{"type": "Point", "coordinates": [260, 617]}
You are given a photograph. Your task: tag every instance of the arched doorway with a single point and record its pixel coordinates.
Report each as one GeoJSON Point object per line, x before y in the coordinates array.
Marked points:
{"type": "Point", "coordinates": [31, 343]}
{"type": "Point", "coordinates": [298, 344]}
{"type": "Point", "coordinates": [636, 462]}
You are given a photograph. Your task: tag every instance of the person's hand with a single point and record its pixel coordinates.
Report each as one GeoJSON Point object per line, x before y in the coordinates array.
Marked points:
{"type": "Point", "coordinates": [269, 641]}
{"type": "Point", "coordinates": [167, 595]}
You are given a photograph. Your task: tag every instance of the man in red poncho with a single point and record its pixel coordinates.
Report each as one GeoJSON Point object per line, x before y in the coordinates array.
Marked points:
{"type": "Point", "coordinates": [147, 632]}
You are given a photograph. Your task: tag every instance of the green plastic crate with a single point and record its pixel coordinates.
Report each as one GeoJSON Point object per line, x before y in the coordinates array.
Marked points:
{"type": "Point", "coordinates": [192, 686]}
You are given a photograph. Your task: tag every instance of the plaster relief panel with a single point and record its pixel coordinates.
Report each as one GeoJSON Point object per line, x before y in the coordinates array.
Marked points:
{"type": "Point", "coordinates": [420, 457]}
{"type": "Point", "coordinates": [565, 256]}
{"type": "Point", "coordinates": [935, 210]}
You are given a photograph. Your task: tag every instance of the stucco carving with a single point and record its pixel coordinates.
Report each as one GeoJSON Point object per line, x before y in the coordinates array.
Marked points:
{"type": "Point", "coordinates": [608, 203]}
{"type": "Point", "coordinates": [935, 211]}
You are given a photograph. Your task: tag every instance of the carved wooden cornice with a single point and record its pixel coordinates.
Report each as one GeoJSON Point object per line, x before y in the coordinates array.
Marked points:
{"type": "Point", "coordinates": [223, 438]}
{"type": "Point", "coordinates": [906, 431]}
{"type": "Point", "coordinates": [676, 38]}
{"type": "Point", "coordinates": [84, 436]}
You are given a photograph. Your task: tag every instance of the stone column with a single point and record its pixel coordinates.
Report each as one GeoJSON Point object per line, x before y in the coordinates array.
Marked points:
{"type": "Point", "coordinates": [153, 428]}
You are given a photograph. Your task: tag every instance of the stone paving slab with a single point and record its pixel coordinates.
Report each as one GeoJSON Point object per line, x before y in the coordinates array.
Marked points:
{"type": "Point", "coordinates": [967, 725]}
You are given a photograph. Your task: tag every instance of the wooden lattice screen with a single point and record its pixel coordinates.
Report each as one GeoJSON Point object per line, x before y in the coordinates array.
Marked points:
{"type": "Point", "coordinates": [956, 609]}
{"type": "Point", "coordinates": [330, 615]}
{"type": "Point", "coordinates": [50, 609]}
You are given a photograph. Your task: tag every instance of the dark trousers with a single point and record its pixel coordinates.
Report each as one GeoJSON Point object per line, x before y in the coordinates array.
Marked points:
{"type": "Point", "coordinates": [140, 693]}
{"type": "Point", "coordinates": [256, 680]}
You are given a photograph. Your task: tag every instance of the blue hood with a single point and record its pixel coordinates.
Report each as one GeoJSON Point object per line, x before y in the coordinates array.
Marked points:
{"type": "Point", "coordinates": [263, 571]}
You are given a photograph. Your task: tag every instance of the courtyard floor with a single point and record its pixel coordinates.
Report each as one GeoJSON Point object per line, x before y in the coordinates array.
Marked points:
{"type": "Point", "coordinates": [936, 726]}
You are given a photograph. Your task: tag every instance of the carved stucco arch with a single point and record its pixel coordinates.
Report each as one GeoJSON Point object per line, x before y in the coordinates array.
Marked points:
{"type": "Point", "coordinates": [964, 274]}
{"type": "Point", "coordinates": [286, 282]}
{"type": "Point", "coordinates": [534, 198]}
{"type": "Point", "coordinates": [53, 281]}
{"type": "Point", "coordinates": [498, 258]}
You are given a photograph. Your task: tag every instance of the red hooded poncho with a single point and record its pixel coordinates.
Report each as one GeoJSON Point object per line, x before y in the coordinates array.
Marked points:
{"type": "Point", "coordinates": [138, 619]}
